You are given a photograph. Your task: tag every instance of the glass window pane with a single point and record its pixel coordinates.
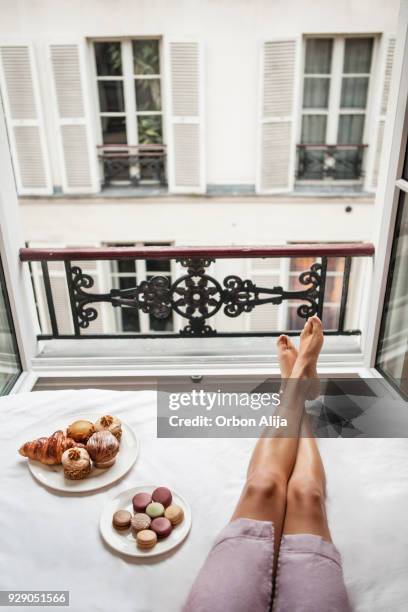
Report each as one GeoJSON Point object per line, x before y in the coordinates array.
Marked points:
{"type": "Point", "coordinates": [149, 129]}
{"type": "Point", "coordinates": [146, 58]}
{"type": "Point", "coordinates": [316, 93]}
{"type": "Point", "coordinates": [10, 361]}
{"type": "Point", "coordinates": [318, 55]}
{"type": "Point", "coordinates": [155, 265]}
{"type": "Point", "coordinates": [114, 130]}
{"type": "Point", "coordinates": [129, 316]}
{"type": "Point", "coordinates": [126, 265]}
{"type": "Point", "coordinates": [158, 265]}
{"type": "Point", "coordinates": [301, 264]}
{"type": "Point", "coordinates": [354, 92]}
{"type": "Point", "coordinates": [351, 129]}
{"type": "Point", "coordinates": [332, 292]}
{"type": "Point", "coordinates": [357, 55]}
{"type": "Point", "coordinates": [314, 129]}
{"type": "Point", "coordinates": [111, 96]}
{"type": "Point", "coordinates": [161, 325]}
{"type": "Point", "coordinates": [148, 95]}
{"type": "Point", "coordinates": [330, 317]}
{"type": "Point", "coordinates": [393, 346]}
{"type": "Point", "coordinates": [108, 58]}
{"type": "Point", "coordinates": [335, 264]}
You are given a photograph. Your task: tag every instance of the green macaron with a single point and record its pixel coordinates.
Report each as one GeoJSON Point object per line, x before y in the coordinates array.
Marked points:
{"type": "Point", "coordinates": [155, 509]}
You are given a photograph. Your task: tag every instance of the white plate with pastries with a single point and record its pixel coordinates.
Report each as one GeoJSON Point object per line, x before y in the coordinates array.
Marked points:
{"type": "Point", "coordinates": [123, 541]}
{"type": "Point", "coordinates": [52, 476]}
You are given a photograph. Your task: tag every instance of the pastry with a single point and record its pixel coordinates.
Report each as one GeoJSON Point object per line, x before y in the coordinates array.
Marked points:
{"type": "Point", "coordinates": [161, 526]}
{"type": "Point", "coordinates": [48, 450]}
{"type": "Point", "coordinates": [146, 539]}
{"type": "Point", "coordinates": [76, 463]}
{"type": "Point", "coordinates": [162, 495]}
{"type": "Point", "coordinates": [80, 431]}
{"type": "Point", "coordinates": [102, 447]}
{"type": "Point", "coordinates": [121, 520]}
{"type": "Point", "coordinates": [110, 423]}
{"type": "Point", "coordinates": [140, 501]}
{"type": "Point", "coordinates": [139, 522]}
{"type": "Point", "coordinates": [175, 514]}
{"type": "Point", "coordinates": [155, 509]}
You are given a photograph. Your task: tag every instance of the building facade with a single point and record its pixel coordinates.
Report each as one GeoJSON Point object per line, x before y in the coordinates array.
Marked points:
{"type": "Point", "coordinates": [197, 123]}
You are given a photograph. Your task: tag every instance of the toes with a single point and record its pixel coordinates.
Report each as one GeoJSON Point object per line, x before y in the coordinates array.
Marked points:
{"type": "Point", "coordinates": [308, 327]}
{"type": "Point", "coordinates": [282, 342]}
{"type": "Point", "coordinates": [316, 324]}
{"type": "Point", "coordinates": [290, 344]}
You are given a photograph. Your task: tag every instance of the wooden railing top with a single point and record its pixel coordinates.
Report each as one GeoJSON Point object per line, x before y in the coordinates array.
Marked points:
{"type": "Point", "coordinates": [365, 249]}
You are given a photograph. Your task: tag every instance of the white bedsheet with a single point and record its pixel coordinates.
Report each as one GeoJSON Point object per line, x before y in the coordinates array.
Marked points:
{"type": "Point", "coordinates": [50, 541]}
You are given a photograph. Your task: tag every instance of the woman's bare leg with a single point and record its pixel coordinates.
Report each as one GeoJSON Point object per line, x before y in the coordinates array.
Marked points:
{"type": "Point", "coordinates": [306, 492]}
{"type": "Point", "coordinates": [305, 508]}
{"type": "Point", "coordinates": [274, 456]}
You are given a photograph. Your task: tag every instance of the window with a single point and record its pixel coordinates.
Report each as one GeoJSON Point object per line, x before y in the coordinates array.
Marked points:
{"type": "Point", "coordinates": [334, 107]}
{"type": "Point", "coordinates": [128, 78]}
{"type": "Point", "coordinates": [392, 357]}
{"type": "Point", "coordinates": [10, 366]}
{"type": "Point", "coordinates": [126, 274]}
{"type": "Point", "coordinates": [332, 294]}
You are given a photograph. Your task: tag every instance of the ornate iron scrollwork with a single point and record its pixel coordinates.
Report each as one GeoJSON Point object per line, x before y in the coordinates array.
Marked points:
{"type": "Point", "coordinates": [197, 296]}
{"type": "Point", "coordinates": [81, 281]}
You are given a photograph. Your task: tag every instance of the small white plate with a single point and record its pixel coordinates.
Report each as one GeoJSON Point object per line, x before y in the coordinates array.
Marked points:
{"type": "Point", "coordinates": [124, 542]}
{"type": "Point", "coordinates": [52, 476]}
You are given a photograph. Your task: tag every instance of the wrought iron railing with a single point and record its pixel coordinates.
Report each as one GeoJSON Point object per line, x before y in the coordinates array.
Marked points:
{"type": "Point", "coordinates": [335, 162]}
{"type": "Point", "coordinates": [195, 295]}
{"type": "Point", "coordinates": [133, 164]}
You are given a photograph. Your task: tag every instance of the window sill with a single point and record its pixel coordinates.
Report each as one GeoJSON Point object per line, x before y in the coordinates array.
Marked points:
{"type": "Point", "coordinates": [332, 188]}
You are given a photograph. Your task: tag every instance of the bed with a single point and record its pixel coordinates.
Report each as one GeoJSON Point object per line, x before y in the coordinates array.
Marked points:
{"type": "Point", "coordinates": [51, 541]}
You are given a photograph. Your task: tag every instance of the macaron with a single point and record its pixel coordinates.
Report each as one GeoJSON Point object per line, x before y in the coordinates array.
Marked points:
{"type": "Point", "coordinates": [162, 495]}
{"type": "Point", "coordinates": [139, 522]}
{"type": "Point", "coordinates": [161, 526]}
{"type": "Point", "coordinates": [140, 501]}
{"type": "Point", "coordinates": [175, 514]}
{"type": "Point", "coordinates": [121, 520]}
{"type": "Point", "coordinates": [146, 539]}
{"type": "Point", "coordinates": [155, 509]}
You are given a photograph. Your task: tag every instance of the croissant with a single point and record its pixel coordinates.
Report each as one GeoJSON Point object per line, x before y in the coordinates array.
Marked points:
{"type": "Point", "coordinates": [48, 450]}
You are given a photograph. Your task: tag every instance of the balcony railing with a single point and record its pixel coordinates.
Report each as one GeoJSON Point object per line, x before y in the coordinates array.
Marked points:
{"type": "Point", "coordinates": [133, 164]}
{"type": "Point", "coordinates": [333, 162]}
{"type": "Point", "coordinates": [193, 295]}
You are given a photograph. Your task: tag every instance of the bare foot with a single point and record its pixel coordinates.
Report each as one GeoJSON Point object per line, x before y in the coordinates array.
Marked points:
{"type": "Point", "coordinates": [287, 354]}
{"type": "Point", "coordinates": [311, 342]}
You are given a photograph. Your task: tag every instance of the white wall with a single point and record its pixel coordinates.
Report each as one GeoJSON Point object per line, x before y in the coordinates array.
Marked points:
{"type": "Point", "coordinates": [231, 30]}
{"type": "Point", "coordinates": [199, 221]}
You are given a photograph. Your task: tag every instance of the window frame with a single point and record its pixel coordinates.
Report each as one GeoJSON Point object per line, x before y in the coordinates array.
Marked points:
{"type": "Point", "coordinates": [8, 386]}
{"type": "Point", "coordinates": [402, 187]}
{"type": "Point", "coordinates": [128, 78]}
{"type": "Point", "coordinates": [141, 274]}
{"type": "Point", "coordinates": [388, 192]}
{"type": "Point", "coordinates": [334, 110]}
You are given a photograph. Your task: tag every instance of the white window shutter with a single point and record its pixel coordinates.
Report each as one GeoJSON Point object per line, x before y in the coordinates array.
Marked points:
{"type": "Point", "coordinates": [22, 106]}
{"type": "Point", "coordinates": [268, 273]}
{"type": "Point", "coordinates": [60, 293]}
{"type": "Point", "coordinates": [77, 147]}
{"type": "Point", "coordinates": [376, 144]}
{"type": "Point", "coordinates": [186, 163]}
{"type": "Point", "coordinates": [277, 145]}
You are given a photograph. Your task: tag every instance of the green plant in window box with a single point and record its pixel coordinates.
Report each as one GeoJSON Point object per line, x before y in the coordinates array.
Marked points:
{"type": "Point", "coordinates": [146, 56]}
{"type": "Point", "coordinates": [150, 130]}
